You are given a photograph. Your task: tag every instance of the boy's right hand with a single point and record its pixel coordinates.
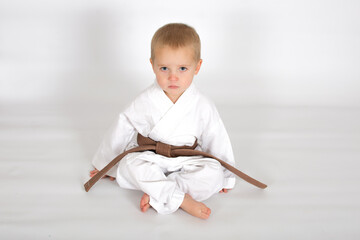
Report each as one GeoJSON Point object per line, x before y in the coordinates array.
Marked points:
{"type": "Point", "coordinates": [224, 190]}
{"type": "Point", "coordinates": [95, 171]}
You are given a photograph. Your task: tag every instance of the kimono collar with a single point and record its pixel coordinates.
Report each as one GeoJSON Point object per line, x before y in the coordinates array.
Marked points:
{"type": "Point", "coordinates": [166, 100]}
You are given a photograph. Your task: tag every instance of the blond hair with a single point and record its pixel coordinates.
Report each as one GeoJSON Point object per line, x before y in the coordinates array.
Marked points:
{"type": "Point", "coordinates": [176, 35]}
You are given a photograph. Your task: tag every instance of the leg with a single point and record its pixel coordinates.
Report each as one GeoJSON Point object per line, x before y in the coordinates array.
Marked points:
{"type": "Point", "coordinates": [200, 178]}
{"type": "Point", "coordinates": [141, 172]}
{"type": "Point", "coordinates": [189, 205]}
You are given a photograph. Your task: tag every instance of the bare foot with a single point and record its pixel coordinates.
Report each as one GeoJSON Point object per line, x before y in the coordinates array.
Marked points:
{"type": "Point", "coordinates": [95, 171]}
{"type": "Point", "coordinates": [195, 208]}
{"type": "Point", "coordinates": [144, 203]}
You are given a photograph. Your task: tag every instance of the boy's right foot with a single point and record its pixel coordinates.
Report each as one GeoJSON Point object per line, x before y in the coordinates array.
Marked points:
{"type": "Point", "coordinates": [195, 208]}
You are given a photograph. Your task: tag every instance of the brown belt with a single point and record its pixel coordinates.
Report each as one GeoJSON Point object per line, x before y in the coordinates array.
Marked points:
{"type": "Point", "coordinates": [147, 144]}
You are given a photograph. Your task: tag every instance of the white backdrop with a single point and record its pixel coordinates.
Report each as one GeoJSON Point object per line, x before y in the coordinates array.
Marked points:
{"type": "Point", "coordinates": [284, 75]}
{"type": "Point", "coordinates": [255, 52]}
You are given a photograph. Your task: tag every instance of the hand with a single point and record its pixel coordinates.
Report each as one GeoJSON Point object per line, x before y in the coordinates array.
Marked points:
{"type": "Point", "coordinates": [224, 190]}
{"type": "Point", "coordinates": [95, 171]}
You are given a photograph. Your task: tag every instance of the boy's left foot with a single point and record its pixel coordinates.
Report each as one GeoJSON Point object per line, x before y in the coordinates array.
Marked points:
{"type": "Point", "coordinates": [144, 203]}
{"type": "Point", "coordinates": [195, 208]}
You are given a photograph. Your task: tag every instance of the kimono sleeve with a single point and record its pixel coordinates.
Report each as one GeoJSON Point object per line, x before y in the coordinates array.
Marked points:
{"type": "Point", "coordinates": [215, 140]}
{"type": "Point", "coordinates": [114, 143]}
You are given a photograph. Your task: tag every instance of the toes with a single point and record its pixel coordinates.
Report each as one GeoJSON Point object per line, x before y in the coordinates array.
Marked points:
{"type": "Point", "coordinates": [204, 216]}
{"type": "Point", "coordinates": [206, 213]}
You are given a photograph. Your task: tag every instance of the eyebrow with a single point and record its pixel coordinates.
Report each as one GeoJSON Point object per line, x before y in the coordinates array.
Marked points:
{"type": "Point", "coordinates": [180, 65]}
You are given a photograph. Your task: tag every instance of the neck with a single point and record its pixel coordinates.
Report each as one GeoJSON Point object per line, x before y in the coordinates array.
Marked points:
{"type": "Point", "coordinates": [172, 98]}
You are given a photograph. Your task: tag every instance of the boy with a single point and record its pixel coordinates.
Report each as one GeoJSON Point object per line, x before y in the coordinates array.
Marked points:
{"type": "Point", "coordinates": [171, 111]}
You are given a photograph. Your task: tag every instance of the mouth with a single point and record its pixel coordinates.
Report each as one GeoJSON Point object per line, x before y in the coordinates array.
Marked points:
{"type": "Point", "coordinates": [173, 87]}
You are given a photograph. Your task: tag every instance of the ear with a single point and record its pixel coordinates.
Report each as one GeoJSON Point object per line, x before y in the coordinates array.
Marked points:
{"type": "Point", "coordinates": [152, 64]}
{"type": "Point", "coordinates": [198, 65]}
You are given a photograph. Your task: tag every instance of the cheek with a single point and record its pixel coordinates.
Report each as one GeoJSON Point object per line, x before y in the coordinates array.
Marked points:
{"type": "Point", "coordinates": [161, 74]}
{"type": "Point", "coordinates": [189, 76]}
{"type": "Point", "coordinates": [188, 80]}
{"type": "Point", "coordinates": [161, 79]}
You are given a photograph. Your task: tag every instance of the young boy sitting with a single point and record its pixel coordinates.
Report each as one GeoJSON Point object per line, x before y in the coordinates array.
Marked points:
{"type": "Point", "coordinates": [171, 111]}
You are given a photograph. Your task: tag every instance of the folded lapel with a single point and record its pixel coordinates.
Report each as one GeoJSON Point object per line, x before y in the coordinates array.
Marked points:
{"type": "Point", "coordinates": [173, 115]}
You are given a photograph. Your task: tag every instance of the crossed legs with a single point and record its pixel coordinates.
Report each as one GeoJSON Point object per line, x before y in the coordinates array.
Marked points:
{"type": "Point", "coordinates": [188, 184]}
{"type": "Point", "coordinates": [189, 205]}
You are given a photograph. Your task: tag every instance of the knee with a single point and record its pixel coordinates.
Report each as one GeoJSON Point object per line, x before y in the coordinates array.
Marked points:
{"type": "Point", "coordinates": [129, 165]}
{"type": "Point", "coordinates": [128, 172]}
{"type": "Point", "coordinates": [209, 183]}
{"type": "Point", "coordinates": [216, 175]}
{"type": "Point", "coordinates": [123, 165]}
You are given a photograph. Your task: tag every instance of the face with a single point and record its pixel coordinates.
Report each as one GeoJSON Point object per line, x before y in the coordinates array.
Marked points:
{"type": "Point", "coordinates": [175, 69]}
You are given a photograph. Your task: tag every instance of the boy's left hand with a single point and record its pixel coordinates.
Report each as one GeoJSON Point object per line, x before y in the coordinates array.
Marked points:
{"type": "Point", "coordinates": [224, 190]}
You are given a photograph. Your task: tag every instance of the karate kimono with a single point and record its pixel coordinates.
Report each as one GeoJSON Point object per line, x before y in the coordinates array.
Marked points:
{"type": "Point", "coordinates": [166, 180]}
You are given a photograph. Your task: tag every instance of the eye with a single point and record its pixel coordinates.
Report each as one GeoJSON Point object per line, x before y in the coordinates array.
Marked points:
{"type": "Point", "coordinates": [183, 69]}
{"type": "Point", "coordinates": [163, 68]}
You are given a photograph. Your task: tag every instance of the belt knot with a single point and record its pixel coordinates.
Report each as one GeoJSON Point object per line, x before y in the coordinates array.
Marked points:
{"type": "Point", "coordinates": [163, 149]}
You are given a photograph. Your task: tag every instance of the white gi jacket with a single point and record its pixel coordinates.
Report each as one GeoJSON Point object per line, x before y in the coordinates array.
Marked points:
{"type": "Point", "coordinates": [154, 115]}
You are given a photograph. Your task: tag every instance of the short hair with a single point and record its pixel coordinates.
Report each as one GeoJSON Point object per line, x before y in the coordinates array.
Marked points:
{"type": "Point", "coordinates": [176, 35]}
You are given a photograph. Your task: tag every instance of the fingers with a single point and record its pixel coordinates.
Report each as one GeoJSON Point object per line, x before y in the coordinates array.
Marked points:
{"type": "Point", "coordinates": [224, 190]}
{"type": "Point", "coordinates": [95, 171]}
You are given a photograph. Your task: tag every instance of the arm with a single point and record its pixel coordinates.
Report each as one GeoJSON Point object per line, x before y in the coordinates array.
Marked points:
{"type": "Point", "coordinates": [114, 143]}
{"type": "Point", "coordinates": [216, 141]}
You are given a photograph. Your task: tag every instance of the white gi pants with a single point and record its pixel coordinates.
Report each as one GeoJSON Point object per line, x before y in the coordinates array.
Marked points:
{"type": "Point", "coordinates": [166, 180]}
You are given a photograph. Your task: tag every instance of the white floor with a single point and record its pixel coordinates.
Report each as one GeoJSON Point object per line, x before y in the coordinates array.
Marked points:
{"type": "Point", "coordinates": [309, 157]}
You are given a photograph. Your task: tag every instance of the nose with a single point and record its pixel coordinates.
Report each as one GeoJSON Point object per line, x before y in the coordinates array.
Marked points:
{"type": "Point", "coordinates": [173, 76]}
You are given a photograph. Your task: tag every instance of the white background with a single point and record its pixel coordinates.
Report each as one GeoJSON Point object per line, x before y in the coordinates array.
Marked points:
{"type": "Point", "coordinates": [255, 52]}
{"type": "Point", "coordinates": [285, 76]}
